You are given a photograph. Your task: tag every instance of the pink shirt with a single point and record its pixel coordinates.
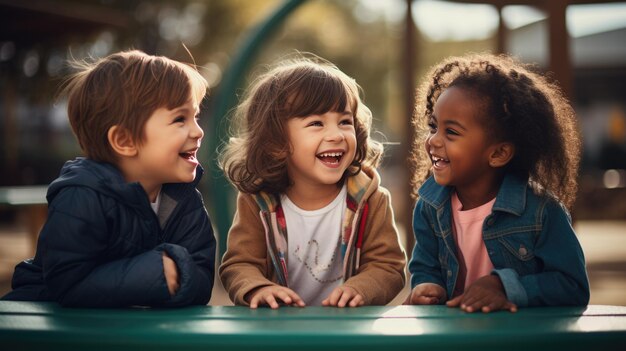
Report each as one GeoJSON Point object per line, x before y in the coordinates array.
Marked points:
{"type": "Point", "coordinates": [468, 234]}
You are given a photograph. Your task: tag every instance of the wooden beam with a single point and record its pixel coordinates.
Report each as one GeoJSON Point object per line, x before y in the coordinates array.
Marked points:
{"type": "Point", "coordinates": [501, 36]}
{"type": "Point", "coordinates": [408, 81]}
{"type": "Point", "coordinates": [560, 62]}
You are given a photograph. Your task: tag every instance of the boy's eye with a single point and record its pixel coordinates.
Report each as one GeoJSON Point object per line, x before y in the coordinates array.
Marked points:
{"type": "Point", "coordinates": [315, 124]}
{"type": "Point", "coordinates": [179, 119]}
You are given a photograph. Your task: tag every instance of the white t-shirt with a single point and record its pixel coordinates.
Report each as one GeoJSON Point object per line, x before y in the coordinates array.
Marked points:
{"type": "Point", "coordinates": [314, 260]}
{"type": "Point", "coordinates": [157, 202]}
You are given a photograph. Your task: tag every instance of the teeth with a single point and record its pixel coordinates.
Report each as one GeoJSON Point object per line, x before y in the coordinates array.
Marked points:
{"type": "Point", "coordinates": [188, 155]}
{"type": "Point", "coordinates": [331, 154]}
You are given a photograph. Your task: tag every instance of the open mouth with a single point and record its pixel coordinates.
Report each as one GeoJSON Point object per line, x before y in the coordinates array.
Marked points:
{"type": "Point", "coordinates": [188, 155]}
{"type": "Point", "coordinates": [331, 158]}
{"type": "Point", "coordinates": [439, 161]}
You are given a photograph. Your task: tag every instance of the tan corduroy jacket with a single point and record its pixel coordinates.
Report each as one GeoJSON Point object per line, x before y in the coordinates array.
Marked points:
{"type": "Point", "coordinates": [374, 261]}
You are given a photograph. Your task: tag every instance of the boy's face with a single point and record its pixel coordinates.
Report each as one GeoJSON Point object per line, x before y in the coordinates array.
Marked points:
{"type": "Point", "coordinates": [168, 151]}
{"type": "Point", "coordinates": [322, 148]}
{"type": "Point", "coordinates": [458, 144]}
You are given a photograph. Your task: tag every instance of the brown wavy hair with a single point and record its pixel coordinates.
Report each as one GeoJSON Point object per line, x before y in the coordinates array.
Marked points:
{"type": "Point", "coordinates": [255, 158]}
{"type": "Point", "coordinates": [519, 106]}
{"type": "Point", "coordinates": [124, 89]}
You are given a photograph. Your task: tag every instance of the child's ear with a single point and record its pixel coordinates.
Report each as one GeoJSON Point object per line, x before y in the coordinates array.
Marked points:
{"type": "Point", "coordinates": [501, 154]}
{"type": "Point", "coordinates": [122, 141]}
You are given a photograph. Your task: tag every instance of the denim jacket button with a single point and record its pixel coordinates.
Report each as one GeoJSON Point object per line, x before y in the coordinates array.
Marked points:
{"type": "Point", "coordinates": [449, 273]}
{"type": "Point", "coordinates": [522, 251]}
{"type": "Point", "coordinates": [490, 221]}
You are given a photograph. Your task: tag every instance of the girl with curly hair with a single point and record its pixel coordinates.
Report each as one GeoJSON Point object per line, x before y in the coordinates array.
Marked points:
{"type": "Point", "coordinates": [313, 225]}
{"type": "Point", "coordinates": [495, 173]}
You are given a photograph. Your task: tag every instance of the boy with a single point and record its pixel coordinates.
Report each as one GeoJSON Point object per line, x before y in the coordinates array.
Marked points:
{"type": "Point", "coordinates": [126, 225]}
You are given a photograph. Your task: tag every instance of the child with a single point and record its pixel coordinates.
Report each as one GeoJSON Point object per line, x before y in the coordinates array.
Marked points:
{"type": "Point", "coordinates": [126, 225]}
{"type": "Point", "coordinates": [491, 229]}
{"type": "Point", "coordinates": [313, 226]}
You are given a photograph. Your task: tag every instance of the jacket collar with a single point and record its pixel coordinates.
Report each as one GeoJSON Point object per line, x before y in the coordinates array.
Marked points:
{"type": "Point", "coordinates": [511, 196]}
{"type": "Point", "coordinates": [359, 188]}
{"type": "Point", "coordinates": [434, 194]}
{"type": "Point", "coordinates": [106, 178]}
{"type": "Point", "coordinates": [181, 190]}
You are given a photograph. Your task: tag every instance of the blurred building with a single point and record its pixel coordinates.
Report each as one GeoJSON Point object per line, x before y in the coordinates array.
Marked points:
{"type": "Point", "coordinates": [599, 89]}
{"type": "Point", "coordinates": [34, 37]}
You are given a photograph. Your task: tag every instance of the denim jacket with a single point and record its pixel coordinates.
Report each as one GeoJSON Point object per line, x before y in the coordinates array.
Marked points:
{"type": "Point", "coordinates": [529, 239]}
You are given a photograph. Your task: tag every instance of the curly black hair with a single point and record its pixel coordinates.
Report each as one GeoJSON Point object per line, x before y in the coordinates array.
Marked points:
{"type": "Point", "coordinates": [520, 106]}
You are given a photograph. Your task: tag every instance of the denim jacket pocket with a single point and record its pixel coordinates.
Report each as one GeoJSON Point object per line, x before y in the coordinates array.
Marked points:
{"type": "Point", "coordinates": [519, 251]}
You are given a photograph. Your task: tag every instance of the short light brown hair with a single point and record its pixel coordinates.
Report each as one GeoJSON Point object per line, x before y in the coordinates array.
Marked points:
{"type": "Point", "coordinates": [124, 89]}
{"type": "Point", "coordinates": [255, 159]}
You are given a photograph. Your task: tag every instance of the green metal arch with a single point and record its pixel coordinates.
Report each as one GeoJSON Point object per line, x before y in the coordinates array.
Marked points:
{"type": "Point", "coordinates": [225, 101]}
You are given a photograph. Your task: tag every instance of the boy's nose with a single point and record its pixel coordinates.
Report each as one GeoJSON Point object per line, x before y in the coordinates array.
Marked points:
{"type": "Point", "coordinates": [196, 131]}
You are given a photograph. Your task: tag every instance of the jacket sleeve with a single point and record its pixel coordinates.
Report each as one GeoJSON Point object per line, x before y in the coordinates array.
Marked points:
{"type": "Point", "coordinates": [424, 266]}
{"type": "Point", "coordinates": [381, 274]}
{"type": "Point", "coordinates": [73, 245]}
{"type": "Point", "coordinates": [79, 272]}
{"type": "Point", "coordinates": [192, 247]}
{"type": "Point", "coordinates": [245, 264]}
{"type": "Point", "coordinates": [563, 278]}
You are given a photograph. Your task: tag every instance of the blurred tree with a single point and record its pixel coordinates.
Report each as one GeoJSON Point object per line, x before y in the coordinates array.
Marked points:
{"type": "Point", "coordinates": [39, 37]}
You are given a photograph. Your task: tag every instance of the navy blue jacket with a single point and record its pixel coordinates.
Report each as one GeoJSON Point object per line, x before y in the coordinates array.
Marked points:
{"type": "Point", "coordinates": [529, 239]}
{"type": "Point", "coordinates": [102, 244]}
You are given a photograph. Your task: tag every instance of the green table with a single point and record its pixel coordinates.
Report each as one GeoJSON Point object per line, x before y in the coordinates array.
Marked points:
{"type": "Point", "coordinates": [46, 326]}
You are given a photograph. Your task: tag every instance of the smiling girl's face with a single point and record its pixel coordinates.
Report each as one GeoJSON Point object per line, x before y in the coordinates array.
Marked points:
{"type": "Point", "coordinates": [458, 144]}
{"type": "Point", "coordinates": [322, 148]}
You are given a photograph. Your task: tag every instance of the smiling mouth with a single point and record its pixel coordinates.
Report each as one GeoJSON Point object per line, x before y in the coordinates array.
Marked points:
{"type": "Point", "coordinates": [330, 157]}
{"type": "Point", "coordinates": [438, 161]}
{"type": "Point", "coordinates": [189, 155]}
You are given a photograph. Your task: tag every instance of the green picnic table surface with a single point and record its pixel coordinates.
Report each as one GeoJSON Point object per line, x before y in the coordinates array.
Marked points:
{"type": "Point", "coordinates": [47, 326]}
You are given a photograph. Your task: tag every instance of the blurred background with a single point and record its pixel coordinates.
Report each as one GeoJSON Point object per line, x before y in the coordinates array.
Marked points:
{"type": "Point", "coordinates": [385, 45]}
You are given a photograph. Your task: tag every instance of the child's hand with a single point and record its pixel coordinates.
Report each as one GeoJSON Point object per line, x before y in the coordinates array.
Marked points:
{"type": "Point", "coordinates": [267, 295]}
{"type": "Point", "coordinates": [344, 296]}
{"type": "Point", "coordinates": [485, 294]}
{"type": "Point", "coordinates": [171, 274]}
{"type": "Point", "coordinates": [426, 294]}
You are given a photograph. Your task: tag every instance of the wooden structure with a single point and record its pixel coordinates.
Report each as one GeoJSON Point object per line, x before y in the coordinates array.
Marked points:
{"type": "Point", "coordinates": [560, 62]}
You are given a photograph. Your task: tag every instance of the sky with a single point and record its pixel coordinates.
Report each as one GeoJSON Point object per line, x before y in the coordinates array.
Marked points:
{"type": "Point", "coordinates": [443, 20]}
